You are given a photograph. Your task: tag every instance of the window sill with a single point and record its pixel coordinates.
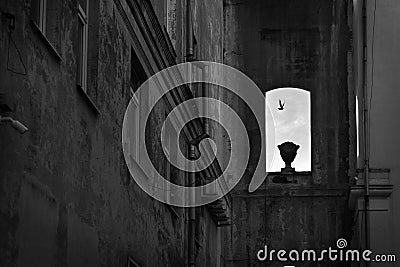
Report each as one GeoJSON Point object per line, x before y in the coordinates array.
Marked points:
{"type": "Point", "coordinates": [173, 211]}
{"type": "Point", "coordinates": [46, 41]}
{"type": "Point", "coordinates": [295, 173]}
{"type": "Point", "coordinates": [88, 99]}
{"type": "Point", "coordinates": [302, 178]}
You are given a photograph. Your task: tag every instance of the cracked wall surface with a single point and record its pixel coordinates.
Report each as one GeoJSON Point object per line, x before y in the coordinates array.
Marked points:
{"type": "Point", "coordinates": [306, 45]}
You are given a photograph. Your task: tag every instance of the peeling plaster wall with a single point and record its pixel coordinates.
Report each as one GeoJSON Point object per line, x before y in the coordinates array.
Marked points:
{"type": "Point", "coordinates": [287, 216]}
{"type": "Point", "coordinates": [301, 44]}
{"type": "Point", "coordinates": [66, 197]}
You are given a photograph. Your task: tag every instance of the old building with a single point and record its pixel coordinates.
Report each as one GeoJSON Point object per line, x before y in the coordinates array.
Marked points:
{"type": "Point", "coordinates": [305, 45]}
{"type": "Point", "coordinates": [68, 70]}
{"type": "Point", "coordinates": [344, 54]}
{"type": "Point", "coordinates": [376, 67]}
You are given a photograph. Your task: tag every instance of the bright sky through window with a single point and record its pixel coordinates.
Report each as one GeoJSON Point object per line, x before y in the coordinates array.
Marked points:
{"type": "Point", "coordinates": [290, 110]}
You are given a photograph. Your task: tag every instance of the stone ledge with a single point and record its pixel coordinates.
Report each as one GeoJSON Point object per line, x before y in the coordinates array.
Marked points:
{"type": "Point", "coordinates": [279, 192]}
{"type": "Point", "coordinates": [288, 179]}
{"type": "Point", "coordinates": [375, 190]}
{"type": "Point", "coordinates": [379, 185]}
{"type": "Point", "coordinates": [88, 100]}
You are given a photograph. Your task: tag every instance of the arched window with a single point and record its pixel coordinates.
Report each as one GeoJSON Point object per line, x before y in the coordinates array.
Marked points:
{"type": "Point", "coordinates": [290, 110]}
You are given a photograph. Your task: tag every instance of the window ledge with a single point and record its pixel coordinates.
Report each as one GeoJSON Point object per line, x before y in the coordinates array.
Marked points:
{"type": "Point", "coordinates": [88, 99]}
{"type": "Point", "coordinates": [303, 178]}
{"type": "Point", "coordinates": [173, 211]}
{"type": "Point", "coordinates": [295, 173]}
{"type": "Point", "coordinates": [46, 41]}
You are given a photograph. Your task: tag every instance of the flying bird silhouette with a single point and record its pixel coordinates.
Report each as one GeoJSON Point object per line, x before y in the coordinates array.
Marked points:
{"type": "Point", "coordinates": [281, 105]}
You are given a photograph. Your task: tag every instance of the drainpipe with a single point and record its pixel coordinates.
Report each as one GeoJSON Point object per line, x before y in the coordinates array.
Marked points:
{"type": "Point", "coordinates": [189, 32]}
{"type": "Point", "coordinates": [366, 127]}
{"type": "Point", "coordinates": [192, 210]}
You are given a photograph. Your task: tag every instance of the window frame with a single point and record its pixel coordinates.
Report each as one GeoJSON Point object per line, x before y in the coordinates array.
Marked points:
{"type": "Point", "coordinates": [41, 18]}
{"type": "Point", "coordinates": [276, 152]}
{"type": "Point", "coordinates": [41, 15]}
{"type": "Point", "coordinates": [82, 68]}
{"type": "Point", "coordinates": [135, 101]}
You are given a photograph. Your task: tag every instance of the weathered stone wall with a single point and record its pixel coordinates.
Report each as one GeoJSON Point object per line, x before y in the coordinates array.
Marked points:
{"type": "Point", "coordinates": [293, 215]}
{"type": "Point", "coordinates": [66, 197]}
{"type": "Point", "coordinates": [301, 44]}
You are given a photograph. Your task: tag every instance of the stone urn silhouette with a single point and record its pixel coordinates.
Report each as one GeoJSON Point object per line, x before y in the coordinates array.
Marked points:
{"type": "Point", "coordinates": [288, 152]}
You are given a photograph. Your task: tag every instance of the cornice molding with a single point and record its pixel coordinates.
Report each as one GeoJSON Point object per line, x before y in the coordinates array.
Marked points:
{"type": "Point", "coordinates": [157, 44]}
{"type": "Point", "coordinates": [375, 190]}
{"type": "Point", "coordinates": [163, 54]}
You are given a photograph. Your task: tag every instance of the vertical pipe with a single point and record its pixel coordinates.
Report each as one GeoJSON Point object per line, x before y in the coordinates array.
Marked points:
{"type": "Point", "coordinates": [189, 31]}
{"type": "Point", "coordinates": [366, 127]}
{"type": "Point", "coordinates": [192, 210]}
{"type": "Point", "coordinates": [192, 174]}
{"type": "Point", "coordinates": [206, 94]}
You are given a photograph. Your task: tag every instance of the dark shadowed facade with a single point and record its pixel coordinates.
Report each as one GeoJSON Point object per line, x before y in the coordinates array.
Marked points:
{"type": "Point", "coordinates": [67, 198]}
{"type": "Point", "coordinates": [69, 69]}
{"type": "Point", "coordinates": [306, 45]}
